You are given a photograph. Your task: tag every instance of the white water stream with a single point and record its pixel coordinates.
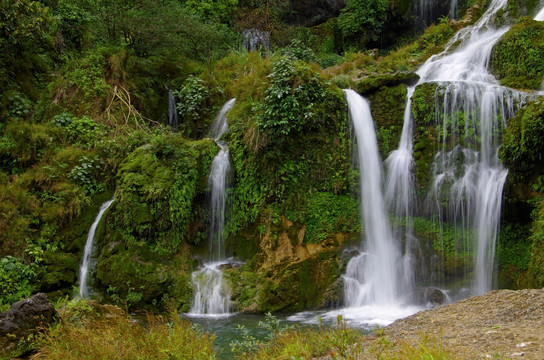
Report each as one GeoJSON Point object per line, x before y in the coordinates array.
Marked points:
{"type": "Point", "coordinates": [87, 264]}
{"type": "Point", "coordinates": [211, 293]}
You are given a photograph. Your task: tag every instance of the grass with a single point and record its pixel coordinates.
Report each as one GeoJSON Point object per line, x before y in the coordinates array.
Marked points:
{"type": "Point", "coordinates": [87, 330]}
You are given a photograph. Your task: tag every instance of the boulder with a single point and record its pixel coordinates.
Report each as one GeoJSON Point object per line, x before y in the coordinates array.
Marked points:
{"type": "Point", "coordinates": [23, 319]}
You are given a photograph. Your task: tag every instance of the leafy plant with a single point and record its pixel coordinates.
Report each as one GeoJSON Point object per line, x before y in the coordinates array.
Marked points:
{"type": "Point", "coordinates": [16, 280]}
{"type": "Point", "coordinates": [87, 174]}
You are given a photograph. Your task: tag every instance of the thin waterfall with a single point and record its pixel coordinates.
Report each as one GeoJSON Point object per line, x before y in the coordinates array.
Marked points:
{"type": "Point", "coordinates": [87, 264]}
{"type": "Point", "coordinates": [172, 111]}
{"type": "Point", "coordinates": [540, 15]}
{"type": "Point", "coordinates": [399, 193]}
{"type": "Point", "coordinates": [472, 109]}
{"type": "Point", "coordinates": [211, 293]}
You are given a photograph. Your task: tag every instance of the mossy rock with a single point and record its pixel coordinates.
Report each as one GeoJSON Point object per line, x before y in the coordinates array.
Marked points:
{"type": "Point", "coordinates": [522, 147]}
{"type": "Point", "coordinates": [156, 191]}
{"type": "Point", "coordinates": [75, 234]}
{"type": "Point", "coordinates": [243, 284]}
{"type": "Point", "coordinates": [387, 106]}
{"type": "Point", "coordinates": [374, 82]}
{"type": "Point", "coordinates": [298, 286]}
{"type": "Point", "coordinates": [136, 277]}
{"type": "Point", "coordinates": [60, 271]}
{"type": "Point", "coordinates": [517, 59]}
{"type": "Point", "coordinates": [536, 264]}
{"type": "Point", "coordinates": [425, 138]}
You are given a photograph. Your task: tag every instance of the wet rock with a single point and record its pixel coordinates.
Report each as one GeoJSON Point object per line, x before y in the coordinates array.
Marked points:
{"type": "Point", "coordinates": [23, 319]}
{"type": "Point", "coordinates": [229, 266]}
{"type": "Point", "coordinates": [433, 296]}
{"type": "Point", "coordinates": [350, 254]}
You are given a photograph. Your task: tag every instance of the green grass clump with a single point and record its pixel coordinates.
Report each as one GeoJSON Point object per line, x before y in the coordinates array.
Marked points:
{"type": "Point", "coordinates": [90, 331]}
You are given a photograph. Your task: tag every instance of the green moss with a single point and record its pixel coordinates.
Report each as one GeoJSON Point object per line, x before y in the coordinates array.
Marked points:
{"type": "Point", "coordinates": [425, 139]}
{"type": "Point", "coordinates": [139, 278]}
{"type": "Point", "coordinates": [517, 59]}
{"type": "Point", "coordinates": [298, 286]}
{"type": "Point", "coordinates": [522, 147]}
{"type": "Point", "coordinates": [535, 274]}
{"type": "Point", "coordinates": [325, 215]}
{"type": "Point", "coordinates": [61, 271]}
{"type": "Point", "coordinates": [387, 106]}
{"type": "Point", "coordinates": [513, 253]}
{"type": "Point", "coordinates": [375, 82]}
{"type": "Point", "coordinates": [243, 284]}
{"type": "Point", "coordinates": [157, 187]}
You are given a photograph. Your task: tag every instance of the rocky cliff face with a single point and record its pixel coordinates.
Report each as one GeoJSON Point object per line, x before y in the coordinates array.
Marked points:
{"type": "Point", "coordinates": [314, 12]}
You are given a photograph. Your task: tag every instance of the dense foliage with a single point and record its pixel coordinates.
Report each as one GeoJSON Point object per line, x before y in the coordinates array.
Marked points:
{"type": "Point", "coordinates": [517, 58]}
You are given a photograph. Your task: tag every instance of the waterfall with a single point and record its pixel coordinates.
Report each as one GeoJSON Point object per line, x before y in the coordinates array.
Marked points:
{"type": "Point", "coordinates": [172, 111]}
{"type": "Point", "coordinates": [373, 276]}
{"type": "Point", "coordinates": [87, 265]}
{"type": "Point", "coordinates": [211, 293]}
{"type": "Point", "coordinates": [540, 15]}
{"type": "Point", "coordinates": [255, 39]}
{"type": "Point", "coordinates": [472, 109]}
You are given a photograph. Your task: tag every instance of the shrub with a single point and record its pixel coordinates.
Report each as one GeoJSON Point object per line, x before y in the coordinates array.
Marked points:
{"type": "Point", "coordinates": [16, 281]}
{"type": "Point", "coordinates": [106, 332]}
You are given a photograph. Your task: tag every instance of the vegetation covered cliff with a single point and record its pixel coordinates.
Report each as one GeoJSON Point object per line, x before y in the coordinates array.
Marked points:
{"type": "Point", "coordinates": [84, 114]}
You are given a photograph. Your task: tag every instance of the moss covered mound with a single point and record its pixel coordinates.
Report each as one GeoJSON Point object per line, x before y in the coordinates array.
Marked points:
{"type": "Point", "coordinates": [157, 187]}
{"type": "Point", "coordinates": [374, 82]}
{"type": "Point", "coordinates": [517, 58]}
{"type": "Point", "coordinates": [522, 147]}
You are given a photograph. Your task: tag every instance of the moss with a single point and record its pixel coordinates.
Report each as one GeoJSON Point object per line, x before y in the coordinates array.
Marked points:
{"type": "Point", "coordinates": [425, 139]}
{"type": "Point", "coordinates": [139, 278]}
{"type": "Point", "coordinates": [298, 286]}
{"type": "Point", "coordinates": [387, 106]}
{"type": "Point", "coordinates": [243, 284]}
{"type": "Point", "coordinates": [375, 82]}
{"type": "Point", "coordinates": [522, 147]}
{"type": "Point", "coordinates": [517, 59]}
{"type": "Point", "coordinates": [325, 215]}
{"type": "Point", "coordinates": [157, 187]}
{"type": "Point", "coordinates": [61, 271]}
{"type": "Point", "coordinates": [535, 275]}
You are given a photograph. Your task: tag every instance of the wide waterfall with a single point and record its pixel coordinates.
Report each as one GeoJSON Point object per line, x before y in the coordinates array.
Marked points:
{"type": "Point", "coordinates": [211, 293]}
{"type": "Point", "coordinates": [471, 111]}
{"type": "Point", "coordinates": [87, 263]}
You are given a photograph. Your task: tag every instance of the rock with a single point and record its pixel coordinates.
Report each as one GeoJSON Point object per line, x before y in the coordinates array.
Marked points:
{"type": "Point", "coordinates": [314, 12]}
{"type": "Point", "coordinates": [24, 318]}
{"type": "Point", "coordinates": [433, 296]}
{"type": "Point", "coordinates": [350, 253]}
{"type": "Point", "coordinates": [374, 82]}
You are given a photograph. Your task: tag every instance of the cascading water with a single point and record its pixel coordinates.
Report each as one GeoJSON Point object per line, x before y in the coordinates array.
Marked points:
{"type": "Point", "coordinates": [87, 263]}
{"type": "Point", "coordinates": [172, 111]}
{"type": "Point", "coordinates": [471, 111]}
{"type": "Point", "coordinates": [540, 15]}
{"type": "Point", "coordinates": [212, 295]}
{"type": "Point", "coordinates": [375, 280]}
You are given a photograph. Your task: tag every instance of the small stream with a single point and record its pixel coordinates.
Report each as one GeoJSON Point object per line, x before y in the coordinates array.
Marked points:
{"type": "Point", "coordinates": [226, 328]}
